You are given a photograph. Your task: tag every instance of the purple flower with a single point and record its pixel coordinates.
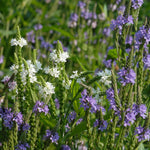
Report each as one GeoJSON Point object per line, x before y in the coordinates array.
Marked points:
{"type": "Point", "coordinates": [107, 63]}
{"type": "Point", "coordinates": [79, 121]}
{"type": "Point", "coordinates": [81, 4]}
{"type": "Point", "coordinates": [102, 125]}
{"type": "Point", "coordinates": [87, 102]}
{"type": "Point", "coordinates": [126, 76]}
{"type": "Point", "coordinates": [72, 116]}
{"type": "Point", "coordinates": [31, 37]}
{"type": "Point", "coordinates": [22, 146]}
{"type": "Point", "coordinates": [137, 3]}
{"type": "Point", "coordinates": [119, 22]}
{"type": "Point", "coordinates": [111, 98]}
{"type": "Point", "coordinates": [142, 34]}
{"type": "Point", "coordinates": [38, 27]}
{"type": "Point", "coordinates": [106, 32]}
{"type": "Point", "coordinates": [53, 136]}
{"type": "Point", "coordinates": [142, 111]}
{"type": "Point", "coordinates": [142, 134]}
{"type": "Point", "coordinates": [118, 1]}
{"type": "Point", "coordinates": [74, 17]}
{"type": "Point", "coordinates": [57, 103]}
{"type": "Point", "coordinates": [65, 147]}
{"type": "Point", "coordinates": [40, 107]}
{"type": "Point", "coordinates": [130, 117]}
{"type": "Point", "coordinates": [18, 118]}
{"type": "Point", "coordinates": [122, 9]}
{"type": "Point", "coordinates": [146, 61]}
{"type": "Point", "coordinates": [130, 20]}
{"type": "Point", "coordinates": [25, 127]}
{"type": "Point", "coordinates": [129, 40]}
{"type": "Point", "coordinates": [1, 59]}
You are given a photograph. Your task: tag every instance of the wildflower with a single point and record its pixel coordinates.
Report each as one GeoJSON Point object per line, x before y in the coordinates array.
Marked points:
{"type": "Point", "coordinates": [1, 59]}
{"type": "Point", "coordinates": [40, 107]}
{"type": "Point", "coordinates": [6, 79]}
{"type": "Point", "coordinates": [104, 76]}
{"type": "Point", "coordinates": [102, 125]}
{"type": "Point", "coordinates": [74, 75]}
{"type": "Point", "coordinates": [31, 37]}
{"type": "Point", "coordinates": [87, 102]}
{"type": "Point", "coordinates": [72, 116]}
{"type": "Point", "coordinates": [53, 136]}
{"type": "Point", "coordinates": [65, 147]}
{"type": "Point", "coordinates": [21, 42]}
{"type": "Point", "coordinates": [126, 76]}
{"type": "Point", "coordinates": [38, 27]}
{"type": "Point", "coordinates": [137, 3]}
{"type": "Point", "coordinates": [22, 146]}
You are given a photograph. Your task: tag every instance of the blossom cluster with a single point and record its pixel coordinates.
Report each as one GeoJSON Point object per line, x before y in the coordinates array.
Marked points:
{"type": "Point", "coordinates": [120, 21]}
{"type": "Point", "coordinates": [102, 125]}
{"type": "Point", "coordinates": [126, 76]}
{"type": "Point", "coordinates": [21, 42]}
{"type": "Point", "coordinates": [88, 102]}
{"type": "Point", "coordinates": [60, 57]}
{"type": "Point", "coordinates": [52, 136]}
{"type": "Point", "coordinates": [9, 118]}
{"type": "Point", "coordinates": [22, 146]}
{"type": "Point", "coordinates": [46, 90]}
{"type": "Point", "coordinates": [131, 114]}
{"type": "Point", "coordinates": [142, 134]}
{"type": "Point", "coordinates": [105, 76]}
{"type": "Point", "coordinates": [40, 107]}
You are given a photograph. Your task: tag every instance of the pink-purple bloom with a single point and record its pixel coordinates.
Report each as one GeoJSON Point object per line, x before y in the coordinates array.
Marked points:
{"type": "Point", "coordinates": [137, 3]}
{"type": "Point", "coordinates": [40, 107]}
{"type": "Point", "coordinates": [126, 76]}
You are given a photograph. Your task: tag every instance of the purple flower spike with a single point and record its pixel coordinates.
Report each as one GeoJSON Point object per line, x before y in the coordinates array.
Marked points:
{"type": "Point", "coordinates": [137, 3]}
{"type": "Point", "coordinates": [87, 102]}
{"type": "Point", "coordinates": [40, 107]}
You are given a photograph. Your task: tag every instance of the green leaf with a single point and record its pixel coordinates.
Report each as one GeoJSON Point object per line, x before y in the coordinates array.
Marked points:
{"type": "Point", "coordinates": [63, 32]}
{"type": "Point", "coordinates": [141, 147]}
{"type": "Point", "coordinates": [78, 129]}
{"type": "Point", "coordinates": [75, 106]}
{"type": "Point", "coordinates": [112, 54]}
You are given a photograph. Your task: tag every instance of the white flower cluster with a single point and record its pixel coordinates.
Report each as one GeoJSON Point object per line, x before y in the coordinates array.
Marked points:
{"type": "Point", "coordinates": [104, 76]}
{"type": "Point", "coordinates": [96, 93]}
{"type": "Point", "coordinates": [33, 69]}
{"type": "Point", "coordinates": [58, 59]}
{"type": "Point", "coordinates": [67, 84]}
{"type": "Point", "coordinates": [21, 42]}
{"type": "Point", "coordinates": [74, 75]}
{"type": "Point", "coordinates": [53, 71]}
{"type": "Point", "coordinates": [47, 90]}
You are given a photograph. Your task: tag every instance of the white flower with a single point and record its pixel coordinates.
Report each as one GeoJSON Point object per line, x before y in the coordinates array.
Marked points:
{"type": "Point", "coordinates": [32, 71]}
{"type": "Point", "coordinates": [46, 70]}
{"type": "Point", "coordinates": [63, 56]}
{"type": "Point", "coordinates": [47, 90]}
{"type": "Point", "coordinates": [74, 75]}
{"type": "Point", "coordinates": [54, 72]}
{"type": "Point", "coordinates": [14, 68]}
{"type": "Point", "coordinates": [80, 80]}
{"type": "Point", "coordinates": [53, 55]}
{"type": "Point", "coordinates": [14, 42]}
{"type": "Point", "coordinates": [104, 76]}
{"type": "Point", "coordinates": [38, 66]}
{"type": "Point", "coordinates": [21, 42]}
{"type": "Point", "coordinates": [6, 79]}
